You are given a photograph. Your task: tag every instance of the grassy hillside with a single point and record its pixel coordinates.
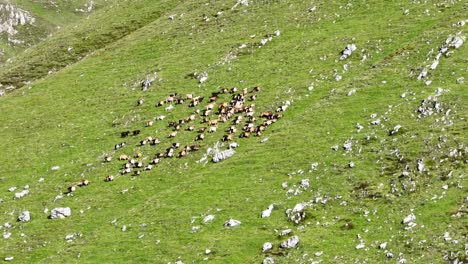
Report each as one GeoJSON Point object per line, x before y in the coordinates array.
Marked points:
{"type": "Point", "coordinates": [57, 129]}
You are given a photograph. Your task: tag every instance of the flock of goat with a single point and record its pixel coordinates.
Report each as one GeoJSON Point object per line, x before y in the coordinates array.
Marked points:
{"type": "Point", "coordinates": [238, 115]}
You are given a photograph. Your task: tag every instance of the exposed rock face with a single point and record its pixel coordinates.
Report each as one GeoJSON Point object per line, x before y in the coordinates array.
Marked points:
{"type": "Point", "coordinates": [11, 17]}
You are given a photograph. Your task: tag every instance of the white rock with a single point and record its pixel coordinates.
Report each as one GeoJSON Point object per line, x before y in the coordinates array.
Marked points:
{"type": "Point", "coordinates": [232, 222]}
{"type": "Point", "coordinates": [12, 189]}
{"type": "Point", "coordinates": [360, 246]}
{"type": "Point", "coordinates": [25, 216]}
{"type": "Point", "coordinates": [318, 254]}
{"type": "Point", "coordinates": [124, 228]}
{"type": "Point", "coordinates": [9, 258]}
{"type": "Point", "coordinates": [383, 245]}
{"type": "Point", "coordinates": [60, 212]}
{"type": "Point", "coordinates": [6, 235]}
{"type": "Point", "coordinates": [268, 260]}
{"type": "Point", "coordinates": [207, 251]}
{"type": "Point", "coordinates": [267, 246]}
{"type": "Point", "coordinates": [266, 213]}
{"type": "Point", "coordinates": [410, 218]}
{"type": "Point", "coordinates": [54, 168]}
{"type": "Point", "coordinates": [208, 219]}
{"type": "Point", "coordinates": [305, 183]}
{"type": "Point", "coordinates": [420, 165]}
{"type": "Point", "coordinates": [290, 243]}
{"type": "Point", "coordinates": [285, 232]}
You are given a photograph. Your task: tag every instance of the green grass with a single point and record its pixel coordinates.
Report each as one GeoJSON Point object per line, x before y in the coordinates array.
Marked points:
{"type": "Point", "coordinates": [74, 116]}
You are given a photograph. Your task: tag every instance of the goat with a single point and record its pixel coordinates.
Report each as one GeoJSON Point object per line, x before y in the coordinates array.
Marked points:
{"type": "Point", "coordinates": [84, 183]}
{"type": "Point", "coordinates": [149, 123]}
{"type": "Point", "coordinates": [160, 117]}
{"type": "Point", "coordinates": [109, 178]}
{"type": "Point", "coordinates": [200, 137]}
{"type": "Point", "coordinates": [245, 134]}
{"type": "Point", "coordinates": [172, 134]}
{"type": "Point", "coordinates": [71, 189]}
{"type": "Point", "coordinates": [212, 129]}
{"type": "Point", "coordinates": [266, 114]}
{"type": "Point", "coordinates": [213, 122]}
{"type": "Point", "coordinates": [123, 157]}
{"type": "Point", "coordinates": [149, 167]}
{"type": "Point", "coordinates": [190, 128]}
{"type": "Point", "coordinates": [256, 89]}
{"type": "Point", "coordinates": [160, 103]}
{"type": "Point", "coordinates": [136, 132]}
{"type": "Point", "coordinates": [140, 101]}
{"type": "Point", "coordinates": [126, 170]}
{"type": "Point", "coordinates": [155, 161]}
{"type": "Point", "coordinates": [195, 147]}
{"type": "Point", "coordinates": [137, 172]}
{"type": "Point", "coordinates": [120, 145]}
{"type": "Point", "coordinates": [155, 141]}
{"type": "Point", "coordinates": [107, 158]}
{"type": "Point", "coordinates": [182, 153]}
{"type": "Point", "coordinates": [124, 134]}
{"type": "Point", "coordinates": [228, 137]}
{"type": "Point", "coordinates": [138, 155]}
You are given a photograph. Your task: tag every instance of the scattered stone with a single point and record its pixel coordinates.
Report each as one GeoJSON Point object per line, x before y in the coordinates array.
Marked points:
{"type": "Point", "coordinates": [208, 219]}
{"type": "Point", "coordinates": [124, 228]}
{"type": "Point", "coordinates": [60, 213]}
{"type": "Point", "coordinates": [305, 183]}
{"type": "Point", "coordinates": [290, 243]}
{"type": "Point", "coordinates": [383, 245]}
{"type": "Point", "coordinates": [461, 80]}
{"type": "Point", "coordinates": [348, 50]}
{"type": "Point", "coordinates": [25, 216]}
{"type": "Point", "coordinates": [12, 189]}
{"type": "Point", "coordinates": [360, 246]}
{"type": "Point", "coordinates": [285, 232]}
{"type": "Point", "coordinates": [420, 165]}
{"type": "Point", "coordinates": [297, 214]}
{"type": "Point", "coordinates": [268, 260]}
{"type": "Point", "coordinates": [9, 258]}
{"type": "Point", "coordinates": [21, 194]}
{"type": "Point", "coordinates": [231, 223]}
{"type": "Point", "coordinates": [267, 246]}
{"type": "Point", "coordinates": [266, 213]}
{"type": "Point", "coordinates": [55, 168]}
{"type": "Point", "coordinates": [395, 130]}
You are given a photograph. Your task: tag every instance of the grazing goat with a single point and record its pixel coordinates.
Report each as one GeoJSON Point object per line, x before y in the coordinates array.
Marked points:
{"type": "Point", "coordinates": [140, 101]}
{"type": "Point", "coordinates": [109, 178]}
{"type": "Point", "coordinates": [195, 147]}
{"type": "Point", "coordinates": [107, 158]}
{"type": "Point", "coordinates": [212, 129]}
{"type": "Point", "coordinates": [149, 123]}
{"type": "Point", "coordinates": [245, 134]}
{"type": "Point", "coordinates": [200, 137]}
{"type": "Point", "coordinates": [124, 134]}
{"type": "Point", "coordinates": [172, 134]}
{"type": "Point", "coordinates": [266, 114]}
{"type": "Point", "coordinates": [155, 161]}
{"type": "Point", "coordinates": [71, 189]}
{"type": "Point", "coordinates": [190, 128]}
{"type": "Point", "coordinates": [228, 137]}
{"type": "Point", "coordinates": [123, 157]}
{"type": "Point", "coordinates": [84, 183]}
{"type": "Point", "coordinates": [120, 145]}
{"type": "Point", "coordinates": [136, 132]}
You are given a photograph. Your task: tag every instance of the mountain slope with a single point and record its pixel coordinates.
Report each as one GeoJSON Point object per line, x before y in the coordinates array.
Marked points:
{"type": "Point", "coordinates": [73, 118]}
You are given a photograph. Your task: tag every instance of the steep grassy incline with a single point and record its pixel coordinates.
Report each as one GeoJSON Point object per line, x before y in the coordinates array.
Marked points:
{"type": "Point", "coordinates": [26, 23]}
{"type": "Point", "coordinates": [77, 40]}
{"type": "Point", "coordinates": [333, 152]}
